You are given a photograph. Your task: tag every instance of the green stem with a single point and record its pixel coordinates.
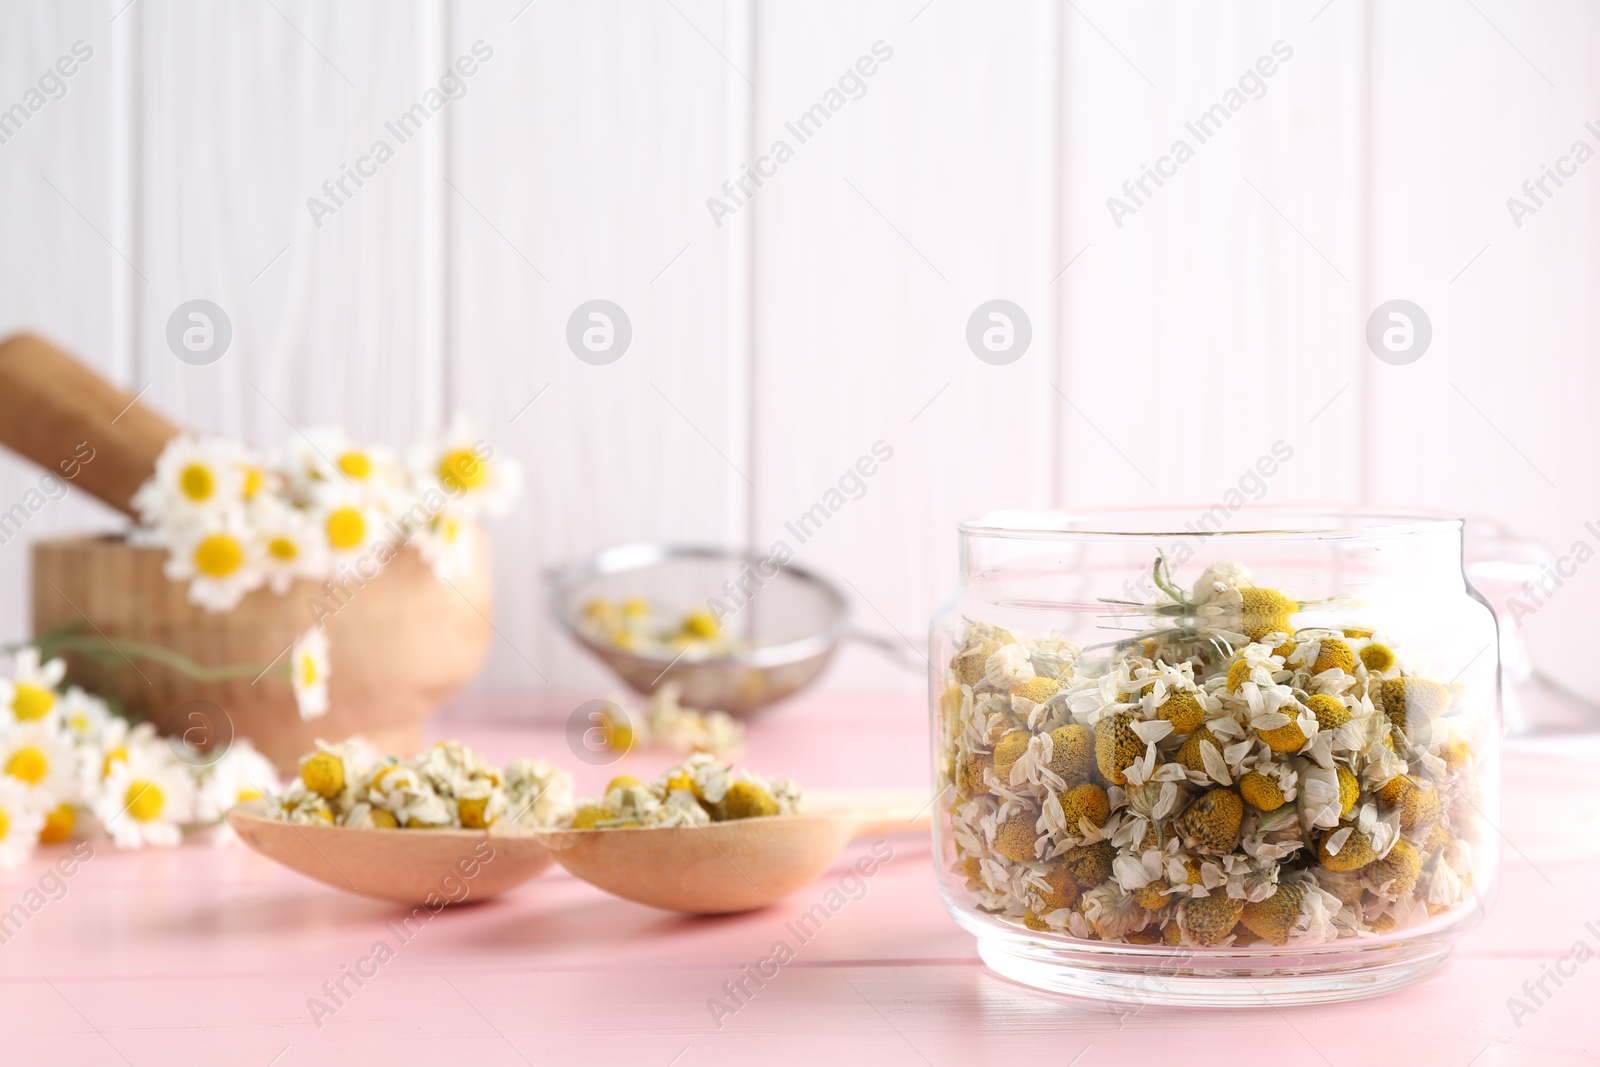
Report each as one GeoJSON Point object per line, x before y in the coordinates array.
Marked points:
{"type": "Point", "coordinates": [69, 638]}
{"type": "Point", "coordinates": [1165, 583]}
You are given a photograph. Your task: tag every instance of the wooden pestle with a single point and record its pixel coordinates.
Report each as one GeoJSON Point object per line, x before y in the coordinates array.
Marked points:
{"type": "Point", "coordinates": [51, 404]}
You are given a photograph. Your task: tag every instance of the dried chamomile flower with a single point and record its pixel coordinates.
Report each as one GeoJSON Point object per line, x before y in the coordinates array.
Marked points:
{"type": "Point", "coordinates": [1085, 802]}
{"type": "Point", "coordinates": [746, 800]}
{"type": "Point", "coordinates": [1152, 896]}
{"type": "Point", "coordinates": [1334, 653]}
{"type": "Point", "coordinates": [1062, 889]}
{"type": "Point", "coordinates": [1456, 753]}
{"type": "Point", "coordinates": [1238, 674]}
{"type": "Point", "coordinates": [1394, 790]}
{"type": "Point", "coordinates": [1037, 689]}
{"type": "Point", "coordinates": [969, 774]}
{"type": "Point", "coordinates": [1349, 790]}
{"type": "Point", "coordinates": [1116, 746]}
{"type": "Point", "coordinates": [1273, 918]}
{"type": "Point", "coordinates": [968, 664]}
{"type": "Point", "coordinates": [1377, 658]}
{"type": "Point", "coordinates": [1192, 755]}
{"type": "Point", "coordinates": [1284, 739]}
{"type": "Point", "coordinates": [1395, 875]}
{"type": "Point", "coordinates": [1014, 839]}
{"type": "Point", "coordinates": [1412, 700]}
{"type": "Point", "coordinates": [1329, 710]}
{"type": "Point", "coordinates": [1265, 611]}
{"type": "Point", "coordinates": [1211, 823]}
{"type": "Point", "coordinates": [1090, 864]}
{"type": "Point", "coordinates": [1184, 711]}
{"type": "Point", "coordinates": [1261, 791]}
{"type": "Point", "coordinates": [1419, 806]}
{"type": "Point", "coordinates": [323, 774]}
{"type": "Point", "coordinates": [1209, 920]}
{"type": "Point", "coordinates": [1009, 749]}
{"type": "Point", "coordinates": [1345, 849]}
{"type": "Point", "coordinates": [1072, 753]}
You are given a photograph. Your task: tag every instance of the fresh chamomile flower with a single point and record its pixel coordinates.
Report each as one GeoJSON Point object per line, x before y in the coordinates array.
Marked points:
{"type": "Point", "coordinates": [351, 525]}
{"type": "Point", "coordinates": [85, 717]}
{"type": "Point", "coordinates": [41, 757]}
{"type": "Point", "coordinates": [220, 558]}
{"type": "Point", "coordinates": [326, 455]}
{"type": "Point", "coordinates": [31, 694]}
{"type": "Point", "coordinates": [147, 798]}
{"type": "Point", "coordinates": [20, 823]}
{"type": "Point", "coordinates": [195, 478]}
{"type": "Point", "coordinates": [291, 545]}
{"type": "Point", "coordinates": [239, 775]}
{"type": "Point", "coordinates": [448, 545]}
{"type": "Point", "coordinates": [308, 670]}
{"type": "Point", "coordinates": [467, 469]}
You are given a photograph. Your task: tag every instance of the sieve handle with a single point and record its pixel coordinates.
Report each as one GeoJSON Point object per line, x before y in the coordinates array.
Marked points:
{"type": "Point", "coordinates": [901, 651]}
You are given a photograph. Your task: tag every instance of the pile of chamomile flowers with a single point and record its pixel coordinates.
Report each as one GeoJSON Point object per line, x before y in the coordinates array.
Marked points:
{"type": "Point", "coordinates": [447, 787]}
{"type": "Point", "coordinates": [697, 792]}
{"type": "Point", "coordinates": [1238, 782]}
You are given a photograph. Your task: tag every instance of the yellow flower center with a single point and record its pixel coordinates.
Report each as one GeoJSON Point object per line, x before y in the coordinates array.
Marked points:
{"type": "Point", "coordinates": [471, 810]}
{"type": "Point", "coordinates": [308, 671]}
{"type": "Point", "coordinates": [144, 800]}
{"type": "Point", "coordinates": [462, 470]}
{"type": "Point", "coordinates": [355, 464]}
{"type": "Point", "coordinates": [253, 481]}
{"type": "Point", "coordinates": [197, 482]}
{"type": "Point", "coordinates": [346, 527]}
{"type": "Point", "coordinates": [218, 555]}
{"type": "Point", "coordinates": [247, 793]}
{"type": "Point", "coordinates": [28, 764]}
{"type": "Point", "coordinates": [58, 825]}
{"type": "Point", "coordinates": [700, 623]}
{"type": "Point", "coordinates": [282, 549]}
{"type": "Point", "coordinates": [32, 701]}
{"type": "Point", "coordinates": [116, 755]}
{"type": "Point", "coordinates": [5, 824]}
{"type": "Point", "coordinates": [323, 774]}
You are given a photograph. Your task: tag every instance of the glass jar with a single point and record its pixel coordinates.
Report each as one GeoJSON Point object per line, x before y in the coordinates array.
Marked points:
{"type": "Point", "coordinates": [1223, 758]}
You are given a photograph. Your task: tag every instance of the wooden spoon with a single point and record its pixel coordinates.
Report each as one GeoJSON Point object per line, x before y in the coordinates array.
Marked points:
{"type": "Point", "coordinates": [406, 866]}
{"type": "Point", "coordinates": [737, 865]}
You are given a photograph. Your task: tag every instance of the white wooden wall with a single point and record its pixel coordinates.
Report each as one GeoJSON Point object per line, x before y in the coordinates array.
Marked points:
{"type": "Point", "coordinates": [829, 312]}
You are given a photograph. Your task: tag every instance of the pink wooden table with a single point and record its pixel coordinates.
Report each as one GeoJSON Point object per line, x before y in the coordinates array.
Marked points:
{"type": "Point", "coordinates": [205, 955]}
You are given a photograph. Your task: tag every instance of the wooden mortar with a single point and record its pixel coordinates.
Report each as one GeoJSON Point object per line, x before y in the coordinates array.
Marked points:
{"type": "Point", "coordinates": [400, 645]}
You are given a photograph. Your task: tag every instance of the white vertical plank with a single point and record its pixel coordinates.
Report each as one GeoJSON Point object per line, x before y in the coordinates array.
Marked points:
{"type": "Point", "coordinates": [580, 165]}
{"type": "Point", "coordinates": [1217, 318]}
{"type": "Point", "coordinates": [929, 195]}
{"type": "Point", "coordinates": [246, 111]}
{"type": "Point", "coordinates": [67, 264]}
{"type": "Point", "coordinates": [1496, 418]}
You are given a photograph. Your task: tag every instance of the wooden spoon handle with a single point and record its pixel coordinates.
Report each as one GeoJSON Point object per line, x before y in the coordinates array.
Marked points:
{"type": "Point", "coordinates": [65, 417]}
{"type": "Point", "coordinates": [875, 812]}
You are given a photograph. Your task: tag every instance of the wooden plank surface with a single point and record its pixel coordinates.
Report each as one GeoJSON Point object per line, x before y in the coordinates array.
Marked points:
{"type": "Point", "coordinates": [177, 957]}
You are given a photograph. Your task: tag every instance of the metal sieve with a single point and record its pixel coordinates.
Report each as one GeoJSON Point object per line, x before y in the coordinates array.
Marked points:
{"type": "Point", "coordinates": [791, 619]}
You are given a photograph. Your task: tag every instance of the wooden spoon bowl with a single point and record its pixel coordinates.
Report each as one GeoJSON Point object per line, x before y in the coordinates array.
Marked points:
{"type": "Point", "coordinates": [406, 866]}
{"type": "Point", "coordinates": [732, 866]}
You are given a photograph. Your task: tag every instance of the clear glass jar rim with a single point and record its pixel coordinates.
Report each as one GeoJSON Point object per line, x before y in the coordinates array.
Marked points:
{"type": "Point", "coordinates": [1310, 522]}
